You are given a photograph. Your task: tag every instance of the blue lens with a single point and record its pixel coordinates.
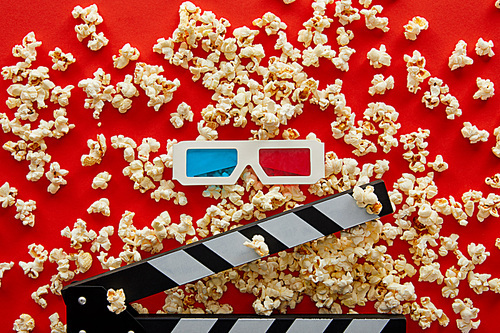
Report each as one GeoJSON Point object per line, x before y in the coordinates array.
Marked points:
{"type": "Point", "coordinates": [211, 162]}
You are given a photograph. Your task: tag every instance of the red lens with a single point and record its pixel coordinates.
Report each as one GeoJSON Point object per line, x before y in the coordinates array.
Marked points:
{"type": "Point", "coordinates": [285, 161]}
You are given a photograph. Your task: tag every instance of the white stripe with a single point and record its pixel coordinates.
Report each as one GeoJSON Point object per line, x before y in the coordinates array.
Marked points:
{"type": "Point", "coordinates": [231, 248]}
{"type": "Point", "coordinates": [309, 325]}
{"type": "Point", "coordinates": [251, 325]}
{"type": "Point", "coordinates": [291, 230]}
{"type": "Point", "coordinates": [199, 325]}
{"type": "Point", "coordinates": [344, 211]}
{"type": "Point", "coordinates": [180, 267]}
{"type": "Point", "coordinates": [366, 326]}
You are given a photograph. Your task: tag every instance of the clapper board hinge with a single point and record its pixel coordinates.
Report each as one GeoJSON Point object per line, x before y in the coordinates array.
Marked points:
{"type": "Point", "coordinates": [86, 301]}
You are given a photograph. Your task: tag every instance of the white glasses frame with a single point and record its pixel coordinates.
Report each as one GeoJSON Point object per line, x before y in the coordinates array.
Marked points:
{"type": "Point", "coordinates": [248, 155]}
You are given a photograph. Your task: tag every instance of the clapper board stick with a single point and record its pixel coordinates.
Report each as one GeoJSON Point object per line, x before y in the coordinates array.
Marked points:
{"type": "Point", "coordinates": [86, 302]}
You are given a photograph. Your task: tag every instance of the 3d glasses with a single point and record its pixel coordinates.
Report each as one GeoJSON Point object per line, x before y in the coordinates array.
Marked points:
{"type": "Point", "coordinates": [274, 161]}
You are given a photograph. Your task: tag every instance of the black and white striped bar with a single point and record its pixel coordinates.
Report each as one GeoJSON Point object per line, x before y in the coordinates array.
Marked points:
{"type": "Point", "coordinates": [224, 251]}
{"type": "Point", "coordinates": [358, 323]}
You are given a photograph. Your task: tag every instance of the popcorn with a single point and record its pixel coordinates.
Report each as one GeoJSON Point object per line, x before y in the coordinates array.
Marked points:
{"type": "Point", "coordinates": [271, 23]}
{"type": "Point", "coordinates": [371, 19]}
{"type": "Point", "coordinates": [61, 60]}
{"type": "Point", "coordinates": [486, 89]}
{"type": "Point", "coordinates": [109, 263]}
{"type": "Point", "coordinates": [207, 132]}
{"type": "Point", "coordinates": [78, 234]}
{"type": "Point", "coordinates": [25, 211]}
{"type": "Point", "coordinates": [367, 198]}
{"type": "Point", "coordinates": [439, 165]}
{"type": "Point", "coordinates": [428, 313]}
{"type": "Point", "coordinates": [61, 95]}
{"type": "Point", "coordinates": [342, 60]}
{"type": "Point", "coordinates": [478, 253]}
{"type": "Point", "coordinates": [183, 113]}
{"type": "Point", "coordinates": [7, 195]}
{"type": "Point", "coordinates": [27, 50]}
{"type": "Point", "coordinates": [5, 266]}
{"type": "Point", "coordinates": [414, 27]}
{"type": "Point", "coordinates": [37, 295]}
{"type": "Point", "coordinates": [126, 53]}
{"type": "Point", "coordinates": [258, 244]}
{"type": "Point", "coordinates": [345, 12]}
{"type": "Point", "coordinates": [459, 56]}
{"type": "Point", "coordinates": [147, 146]}
{"type": "Point", "coordinates": [102, 240]}
{"type": "Point", "coordinates": [116, 298]}
{"type": "Point", "coordinates": [24, 324]}
{"type": "Point", "coordinates": [416, 71]}
{"type": "Point", "coordinates": [496, 148]}
{"type": "Point", "coordinates": [55, 176]}
{"type": "Point", "coordinates": [159, 90]}
{"type": "Point", "coordinates": [473, 133]}
{"type": "Point", "coordinates": [91, 17]}
{"type": "Point", "coordinates": [493, 181]}
{"type": "Point", "coordinates": [55, 325]}
{"type": "Point", "coordinates": [98, 91]}
{"type": "Point", "coordinates": [101, 180]}
{"type": "Point", "coordinates": [484, 48]}
{"type": "Point", "coordinates": [100, 206]}
{"type": "Point", "coordinates": [344, 36]}
{"type": "Point", "coordinates": [379, 58]}
{"type": "Point", "coordinates": [120, 141]}
{"type": "Point", "coordinates": [35, 267]}
{"type": "Point", "coordinates": [380, 85]}
{"type": "Point", "coordinates": [497, 4]}
{"type": "Point", "coordinates": [97, 151]}
{"type": "Point", "coordinates": [467, 313]}
{"type": "Point", "coordinates": [448, 244]}
{"type": "Point", "coordinates": [478, 282]}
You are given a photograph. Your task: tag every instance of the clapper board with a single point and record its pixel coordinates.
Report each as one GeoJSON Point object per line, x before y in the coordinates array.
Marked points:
{"type": "Point", "coordinates": [86, 300]}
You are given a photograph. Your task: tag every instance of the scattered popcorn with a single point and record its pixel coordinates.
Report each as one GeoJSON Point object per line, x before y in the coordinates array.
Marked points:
{"type": "Point", "coordinates": [371, 19]}
{"type": "Point", "coordinates": [496, 148]}
{"type": "Point", "coordinates": [5, 266]}
{"type": "Point", "coordinates": [126, 53]}
{"type": "Point", "coordinates": [271, 23]}
{"type": "Point", "coordinates": [91, 19]}
{"type": "Point", "coordinates": [344, 36]}
{"type": "Point", "coordinates": [258, 244]}
{"type": "Point", "coordinates": [159, 90]}
{"type": "Point", "coordinates": [101, 180]}
{"type": "Point", "coordinates": [100, 206]}
{"type": "Point", "coordinates": [473, 133]}
{"type": "Point", "coordinates": [25, 211]}
{"type": "Point", "coordinates": [125, 90]}
{"type": "Point", "coordinates": [183, 113]}
{"type": "Point", "coordinates": [109, 263]}
{"type": "Point", "coordinates": [486, 89]}
{"type": "Point", "coordinates": [61, 60]}
{"type": "Point", "coordinates": [79, 234]}
{"type": "Point", "coordinates": [102, 240]}
{"type": "Point", "coordinates": [55, 176]}
{"type": "Point", "coordinates": [97, 151]}
{"type": "Point", "coordinates": [493, 181]}
{"type": "Point", "coordinates": [439, 165]}
{"type": "Point", "coordinates": [98, 91]}
{"type": "Point", "coordinates": [459, 57]}
{"type": "Point", "coordinates": [478, 253]}
{"type": "Point", "coordinates": [416, 71]}
{"type": "Point", "coordinates": [7, 195]}
{"type": "Point", "coordinates": [116, 298]}
{"type": "Point", "coordinates": [27, 50]}
{"type": "Point", "coordinates": [428, 313]}
{"type": "Point", "coordinates": [342, 60]}
{"type": "Point", "coordinates": [484, 48]}
{"type": "Point", "coordinates": [24, 324]}
{"type": "Point", "coordinates": [379, 58]}
{"type": "Point", "coordinates": [414, 27]}
{"type": "Point", "coordinates": [467, 313]}
{"type": "Point", "coordinates": [35, 267]}
{"type": "Point", "coordinates": [37, 295]}
{"type": "Point", "coordinates": [55, 325]}
{"type": "Point", "coordinates": [345, 12]}
{"type": "Point", "coordinates": [451, 281]}
{"type": "Point", "coordinates": [120, 141]}
{"type": "Point", "coordinates": [367, 198]}
{"type": "Point", "coordinates": [380, 85]}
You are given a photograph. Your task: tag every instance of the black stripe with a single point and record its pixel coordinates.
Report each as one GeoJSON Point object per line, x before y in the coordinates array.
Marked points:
{"type": "Point", "coordinates": [280, 325]}
{"type": "Point", "coordinates": [383, 197]}
{"type": "Point", "coordinates": [223, 325]}
{"type": "Point", "coordinates": [150, 280]}
{"type": "Point", "coordinates": [318, 220]}
{"type": "Point", "coordinates": [338, 325]}
{"type": "Point", "coordinates": [395, 326]}
{"type": "Point", "coordinates": [274, 244]}
{"type": "Point", "coordinates": [165, 324]}
{"type": "Point", "coordinates": [208, 258]}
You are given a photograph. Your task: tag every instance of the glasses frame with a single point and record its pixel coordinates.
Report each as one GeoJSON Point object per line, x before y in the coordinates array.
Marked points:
{"type": "Point", "coordinates": [248, 155]}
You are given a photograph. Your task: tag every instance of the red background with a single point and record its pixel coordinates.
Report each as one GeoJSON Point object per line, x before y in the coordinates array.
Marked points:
{"type": "Point", "coordinates": [141, 23]}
